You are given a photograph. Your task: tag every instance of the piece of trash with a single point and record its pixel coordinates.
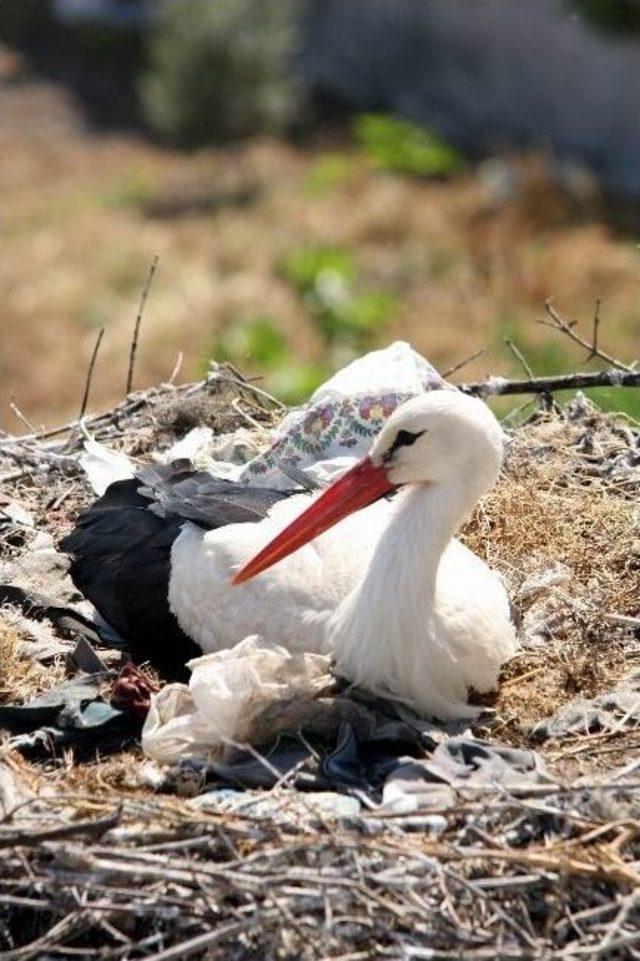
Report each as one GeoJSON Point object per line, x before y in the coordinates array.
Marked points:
{"type": "Point", "coordinates": [72, 715]}
{"type": "Point", "coordinates": [615, 710]}
{"type": "Point", "coordinates": [104, 466]}
{"type": "Point", "coordinates": [283, 807]}
{"type": "Point", "coordinates": [343, 415]}
{"type": "Point", "coordinates": [84, 658]}
{"type": "Point", "coordinates": [194, 446]}
{"type": "Point", "coordinates": [229, 694]}
{"type": "Point", "coordinates": [543, 580]}
{"type": "Point", "coordinates": [132, 691]}
{"type": "Point", "coordinates": [11, 511]}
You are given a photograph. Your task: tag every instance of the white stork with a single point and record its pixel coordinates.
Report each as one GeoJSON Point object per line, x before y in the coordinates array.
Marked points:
{"type": "Point", "coordinates": [406, 610]}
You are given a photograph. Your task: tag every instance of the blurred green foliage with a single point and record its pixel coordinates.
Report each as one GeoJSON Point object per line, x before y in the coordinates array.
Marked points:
{"type": "Point", "coordinates": [305, 266]}
{"type": "Point", "coordinates": [329, 172]}
{"type": "Point", "coordinates": [222, 70]}
{"type": "Point", "coordinates": [258, 340]}
{"type": "Point", "coordinates": [625, 400]}
{"type": "Point", "coordinates": [294, 382]}
{"type": "Point", "coordinates": [260, 344]}
{"type": "Point", "coordinates": [405, 147]}
{"type": "Point", "coordinates": [350, 321]}
{"type": "Point", "coordinates": [617, 15]}
{"type": "Point", "coordinates": [326, 280]}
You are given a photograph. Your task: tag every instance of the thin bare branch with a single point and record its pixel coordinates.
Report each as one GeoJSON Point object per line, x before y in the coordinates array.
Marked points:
{"type": "Point", "coordinates": [92, 364]}
{"type": "Point", "coordinates": [16, 410]}
{"type": "Point", "coordinates": [177, 367]}
{"type": "Point", "coordinates": [519, 356]}
{"type": "Point", "coordinates": [594, 334]}
{"type": "Point", "coordinates": [567, 327]}
{"type": "Point", "coordinates": [495, 386]}
{"type": "Point", "coordinates": [463, 363]}
{"type": "Point", "coordinates": [136, 328]}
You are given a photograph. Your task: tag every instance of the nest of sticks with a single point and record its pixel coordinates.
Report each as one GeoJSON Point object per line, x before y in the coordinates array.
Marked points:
{"type": "Point", "coordinates": [93, 863]}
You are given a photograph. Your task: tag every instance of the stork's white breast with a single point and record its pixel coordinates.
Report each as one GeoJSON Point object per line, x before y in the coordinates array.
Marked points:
{"type": "Point", "coordinates": [291, 602]}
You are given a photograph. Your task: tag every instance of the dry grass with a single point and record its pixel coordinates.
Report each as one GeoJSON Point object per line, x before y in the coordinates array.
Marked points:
{"type": "Point", "coordinates": [21, 677]}
{"type": "Point", "coordinates": [84, 215]}
{"type": "Point", "coordinates": [556, 505]}
{"type": "Point", "coordinates": [98, 861]}
{"type": "Point", "coordinates": [9, 643]}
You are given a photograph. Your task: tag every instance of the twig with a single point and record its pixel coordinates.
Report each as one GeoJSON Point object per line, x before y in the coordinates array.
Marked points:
{"type": "Point", "coordinates": [12, 838]}
{"type": "Point", "coordinates": [622, 619]}
{"type": "Point", "coordinates": [177, 367]}
{"type": "Point", "coordinates": [92, 364]}
{"type": "Point", "coordinates": [227, 374]}
{"type": "Point", "coordinates": [463, 363]}
{"type": "Point", "coordinates": [16, 410]}
{"type": "Point", "coordinates": [13, 475]}
{"type": "Point", "coordinates": [567, 327]}
{"type": "Point", "coordinates": [187, 948]}
{"type": "Point", "coordinates": [519, 356]}
{"type": "Point", "coordinates": [594, 336]}
{"type": "Point", "coordinates": [494, 386]}
{"type": "Point", "coordinates": [136, 329]}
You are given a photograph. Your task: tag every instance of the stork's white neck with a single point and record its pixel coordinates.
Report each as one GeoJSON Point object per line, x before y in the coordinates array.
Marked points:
{"type": "Point", "coordinates": [386, 635]}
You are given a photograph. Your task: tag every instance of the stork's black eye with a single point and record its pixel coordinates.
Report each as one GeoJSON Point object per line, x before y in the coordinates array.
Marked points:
{"type": "Point", "coordinates": [404, 438]}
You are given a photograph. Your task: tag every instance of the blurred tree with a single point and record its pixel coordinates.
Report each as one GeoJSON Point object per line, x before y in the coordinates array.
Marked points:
{"type": "Point", "coordinates": [223, 70]}
{"type": "Point", "coordinates": [621, 15]}
{"type": "Point", "coordinates": [23, 20]}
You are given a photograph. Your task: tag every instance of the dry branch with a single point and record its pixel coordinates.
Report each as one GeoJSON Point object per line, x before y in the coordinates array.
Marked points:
{"type": "Point", "coordinates": [494, 386]}
{"type": "Point", "coordinates": [136, 328]}
{"type": "Point", "coordinates": [92, 364]}
{"type": "Point", "coordinates": [568, 329]}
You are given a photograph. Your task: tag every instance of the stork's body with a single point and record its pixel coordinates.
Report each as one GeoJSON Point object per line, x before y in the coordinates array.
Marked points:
{"type": "Point", "coordinates": [405, 609]}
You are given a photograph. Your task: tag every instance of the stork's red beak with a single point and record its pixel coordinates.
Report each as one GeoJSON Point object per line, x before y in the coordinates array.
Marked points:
{"type": "Point", "coordinates": [359, 487]}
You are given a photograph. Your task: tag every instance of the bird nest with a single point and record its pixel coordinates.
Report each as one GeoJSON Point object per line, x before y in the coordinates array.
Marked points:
{"type": "Point", "coordinates": [94, 863]}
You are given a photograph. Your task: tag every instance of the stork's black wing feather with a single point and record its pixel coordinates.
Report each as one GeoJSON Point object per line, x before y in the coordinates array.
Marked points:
{"type": "Point", "coordinates": [121, 551]}
{"type": "Point", "coordinates": [176, 490]}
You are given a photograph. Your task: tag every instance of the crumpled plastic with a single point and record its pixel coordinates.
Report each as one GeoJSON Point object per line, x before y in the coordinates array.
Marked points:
{"type": "Point", "coordinates": [613, 711]}
{"type": "Point", "coordinates": [104, 466]}
{"type": "Point", "coordinates": [257, 715]}
{"type": "Point", "coordinates": [342, 417]}
{"type": "Point", "coordinates": [457, 763]}
{"type": "Point", "coordinates": [234, 696]}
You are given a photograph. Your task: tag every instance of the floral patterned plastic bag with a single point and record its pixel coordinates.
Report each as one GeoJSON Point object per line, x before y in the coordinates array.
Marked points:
{"type": "Point", "coordinates": [342, 417]}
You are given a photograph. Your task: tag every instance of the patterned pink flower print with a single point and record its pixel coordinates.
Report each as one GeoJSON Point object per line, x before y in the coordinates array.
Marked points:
{"type": "Point", "coordinates": [378, 408]}
{"type": "Point", "coordinates": [318, 420]}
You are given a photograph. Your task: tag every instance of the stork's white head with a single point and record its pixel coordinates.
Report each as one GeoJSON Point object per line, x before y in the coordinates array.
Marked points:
{"type": "Point", "coordinates": [443, 438]}
{"type": "Point", "coordinates": [440, 437]}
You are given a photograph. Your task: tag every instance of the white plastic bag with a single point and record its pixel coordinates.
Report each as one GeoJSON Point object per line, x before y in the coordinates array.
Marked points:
{"type": "Point", "coordinates": [343, 415]}
{"type": "Point", "coordinates": [241, 695]}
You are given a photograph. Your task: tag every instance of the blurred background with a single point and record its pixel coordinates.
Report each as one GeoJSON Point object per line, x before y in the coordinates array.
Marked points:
{"type": "Point", "coordinates": [318, 177]}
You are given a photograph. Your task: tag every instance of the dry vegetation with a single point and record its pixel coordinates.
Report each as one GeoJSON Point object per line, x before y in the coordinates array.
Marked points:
{"type": "Point", "coordinates": [469, 261]}
{"type": "Point", "coordinates": [561, 505]}
{"type": "Point", "coordinates": [95, 859]}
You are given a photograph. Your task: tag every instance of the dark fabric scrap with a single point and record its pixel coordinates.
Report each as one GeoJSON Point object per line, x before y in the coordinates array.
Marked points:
{"type": "Point", "coordinates": [402, 771]}
{"type": "Point", "coordinates": [72, 715]}
{"type": "Point", "coordinates": [69, 623]}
